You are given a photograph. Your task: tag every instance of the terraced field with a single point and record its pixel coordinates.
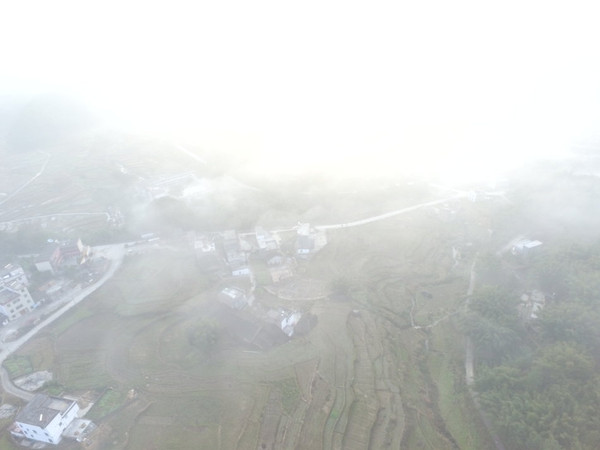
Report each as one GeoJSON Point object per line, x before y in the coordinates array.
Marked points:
{"type": "Point", "coordinates": [374, 373]}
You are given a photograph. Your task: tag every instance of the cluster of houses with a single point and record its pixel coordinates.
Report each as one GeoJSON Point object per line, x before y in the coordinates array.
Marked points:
{"type": "Point", "coordinates": [234, 249]}
{"type": "Point", "coordinates": [233, 252]}
{"type": "Point", "coordinates": [531, 304]}
{"type": "Point", "coordinates": [15, 295]}
{"type": "Point", "coordinates": [59, 255]}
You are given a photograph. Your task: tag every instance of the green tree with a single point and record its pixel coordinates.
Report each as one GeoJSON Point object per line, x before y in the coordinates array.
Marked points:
{"type": "Point", "coordinates": [497, 305]}
{"type": "Point", "coordinates": [204, 335]}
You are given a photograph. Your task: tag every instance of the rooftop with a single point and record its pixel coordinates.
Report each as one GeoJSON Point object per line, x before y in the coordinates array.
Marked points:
{"type": "Point", "coordinates": [42, 409]}
{"type": "Point", "coordinates": [11, 271]}
{"type": "Point", "coordinates": [7, 296]}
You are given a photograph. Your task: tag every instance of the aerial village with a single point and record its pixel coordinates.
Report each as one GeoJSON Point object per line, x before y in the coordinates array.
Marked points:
{"type": "Point", "coordinates": [243, 253]}
{"type": "Point", "coordinates": [242, 261]}
{"type": "Point", "coordinates": [64, 268]}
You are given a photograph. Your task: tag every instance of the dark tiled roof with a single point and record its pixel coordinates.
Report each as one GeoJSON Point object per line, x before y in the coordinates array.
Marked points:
{"type": "Point", "coordinates": [42, 409]}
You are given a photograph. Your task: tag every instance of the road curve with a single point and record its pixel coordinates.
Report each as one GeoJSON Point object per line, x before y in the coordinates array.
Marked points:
{"type": "Point", "coordinates": [115, 254]}
{"type": "Point", "coordinates": [10, 388]}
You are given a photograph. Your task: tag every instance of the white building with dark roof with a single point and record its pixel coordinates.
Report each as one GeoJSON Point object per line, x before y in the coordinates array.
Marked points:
{"type": "Point", "coordinates": [45, 418]}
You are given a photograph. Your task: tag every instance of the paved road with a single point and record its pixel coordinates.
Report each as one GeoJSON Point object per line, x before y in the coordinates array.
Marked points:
{"type": "Point", "coordinates": [28, 182]}
{"type": "Point", "coordinates": [387, 215]}
{"type": "Point", "coordinates": [469, 371]}
{"type": "Point", "coordinates": [357, 223]}
{"type": "Point", "coordinates": [44, 216]}
{"type": "Point", "coordinates": [115, 254]}
{"type": "Point", "coordinates": [190, 154]}
{"type": "Point", "coordinates": [10, 388]}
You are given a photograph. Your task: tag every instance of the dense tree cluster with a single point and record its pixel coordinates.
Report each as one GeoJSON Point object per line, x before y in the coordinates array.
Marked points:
{"type": "Point", "coordinates": [540, 382]}
{"type": "Point", "coordinates": [493, 324]}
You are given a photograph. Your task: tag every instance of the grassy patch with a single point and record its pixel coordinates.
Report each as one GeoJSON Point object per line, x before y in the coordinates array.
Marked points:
{"type": "Point", "coordinates": [18, 365]}
{"type": "Point", "coordinates": [71, 318]}
{"type": "Point", "coordinates": [83, 370]}
{"type": "Point", "coordinates": [110, 401]}
{"type": "Point", "coordinates": [54, 388]}
{"type": "Point", "coordinates": [290, 394]}
{"type": "Point", "coordinates": [455, 405]}
{"type": "Point", "coordinates": [5, 442]}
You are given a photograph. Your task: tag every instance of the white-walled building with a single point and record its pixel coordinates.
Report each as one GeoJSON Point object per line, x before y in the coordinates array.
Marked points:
{"type": "Point", "coordinates": [15, 302]}
{"type": "Point", "coordinates": [45, 418]}
{"type": "Point", "coordinates": [14, 296]}
{"type": "Point", "coordinates": [11, 273]}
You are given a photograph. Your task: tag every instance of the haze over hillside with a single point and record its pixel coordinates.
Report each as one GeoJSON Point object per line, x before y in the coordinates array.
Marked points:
{"type": "Point", "coordinates": [459, 89]}
{"type": "Point", "coordinates": [313, 225]}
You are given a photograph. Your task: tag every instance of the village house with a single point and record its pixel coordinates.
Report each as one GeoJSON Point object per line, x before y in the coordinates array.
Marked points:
{"type": "Point", "coordinates": [235, 257]}
{"type": "Point", "coordinates": [275, 260]}
{"type": "Point", "coordinates": [235, 298]}
{"type": "Point", "coordinates": [265, 240]}
{"type": "Point", "coordinates": [205, 251]}
{"type": "Point", "coordinates": [14, 303]}
{"type": "Point", "coordinates": [239, 270]}
{"type": "Point", "coordinates": [13, 272]}
{"type": "Point", "coordinates": [524, 245]}
{"type": "Point", "coordinates": [309, 240]}
{"type": "Point", "coordinates": [57, 256]}
{"type": "Point", "coordinates": [280, 273]}
{"type": "Point", "coordinates": [15, 298]}
{"type": "Point", "coordinates": [531, 305]}
{"type": "Point", "coordinates": [289, 322]}
{"type": "Point", "coordinates": [45, 418]}
{"type": "Point", "coordinates": [232, 249]}
{"type": "Point", "coordinates": [305, 245]}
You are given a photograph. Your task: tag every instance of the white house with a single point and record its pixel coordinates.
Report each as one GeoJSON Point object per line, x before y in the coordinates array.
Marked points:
{"type": "Point", "coordinates": [234, 298]}
{"type": "Point", "coordinates": [289, 322]}
{"type": "Point", "coordinates": [14, 296]}
{"type": "Point", "coordinates": [265, 240]}
{"type": "Point", "coordinates": [524, 245]}
{"type": "Point", "coordinates": [45, 418]}
{"type": "Point", "coordinates": [241, 270]}
{"type": "Point", "coordinates": [15, 302]}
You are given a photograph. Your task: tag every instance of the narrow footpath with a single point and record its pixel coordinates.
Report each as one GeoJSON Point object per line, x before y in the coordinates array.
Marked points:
{"type": "Point", "coordinates": [470, 371]}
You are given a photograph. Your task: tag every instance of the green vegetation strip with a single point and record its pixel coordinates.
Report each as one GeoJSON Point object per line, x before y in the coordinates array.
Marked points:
{"type": "Point", "coordinates": [109, 402]}
{"type": "Point", "coordinates": [290, 394]}
{"type": "Point", "coordinates": [17, 366]}
{"type": "Point", "coordinates": [74, 316]}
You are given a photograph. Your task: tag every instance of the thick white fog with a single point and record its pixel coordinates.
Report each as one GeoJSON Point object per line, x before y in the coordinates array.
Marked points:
{"type": "Point", "coordinates": [452, 88]}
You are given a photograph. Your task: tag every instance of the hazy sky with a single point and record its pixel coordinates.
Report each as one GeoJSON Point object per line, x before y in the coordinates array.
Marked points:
{"type": "Point", "coordinates": [449, 86]}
